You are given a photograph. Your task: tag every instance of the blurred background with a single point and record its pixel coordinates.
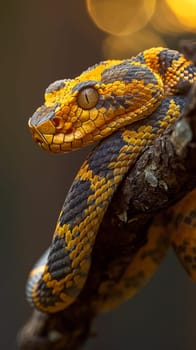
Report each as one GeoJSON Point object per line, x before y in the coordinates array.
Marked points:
{"type": "Point", "coordinates": [42, 41]}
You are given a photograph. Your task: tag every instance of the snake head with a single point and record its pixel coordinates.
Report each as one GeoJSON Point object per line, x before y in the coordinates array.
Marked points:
{"type": "Point", "coordinates": [104, 98]}
{"type": "Point", "coordinates": [64, 122]}
{"type": "Point", "coordinates": [46, 124]}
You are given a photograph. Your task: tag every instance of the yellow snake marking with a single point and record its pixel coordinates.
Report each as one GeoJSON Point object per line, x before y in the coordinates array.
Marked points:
{"type": "Point", "coordinates": [183, 232]}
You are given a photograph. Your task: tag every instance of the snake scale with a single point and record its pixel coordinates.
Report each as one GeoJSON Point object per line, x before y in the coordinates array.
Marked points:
{"type": "Point", "coordinates": [125, 104]}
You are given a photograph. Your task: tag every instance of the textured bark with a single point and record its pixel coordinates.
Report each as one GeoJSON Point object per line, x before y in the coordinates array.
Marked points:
{"type": "Point", "coordinates": [163, 174]}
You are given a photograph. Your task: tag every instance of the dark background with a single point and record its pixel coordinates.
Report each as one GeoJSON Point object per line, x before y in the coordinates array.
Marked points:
{"type": "Point", "coordinates": [42, 41]}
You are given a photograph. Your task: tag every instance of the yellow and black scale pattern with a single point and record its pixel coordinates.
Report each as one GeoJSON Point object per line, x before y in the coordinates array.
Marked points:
{"type": "Point", "coordinates": [126, 104]}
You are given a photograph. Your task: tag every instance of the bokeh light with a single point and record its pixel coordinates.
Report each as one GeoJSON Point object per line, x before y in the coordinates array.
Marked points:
{"type": "Point", "coordinates": [134, 25]}
{"type": "Point", "coordinates": [126, 46]}
{"type": "Point", "coordinates": [164, 20]}
{"type": "Point", "coordinates": [120, 17]}
{"type": "Point", "coordinates": [185, 10]}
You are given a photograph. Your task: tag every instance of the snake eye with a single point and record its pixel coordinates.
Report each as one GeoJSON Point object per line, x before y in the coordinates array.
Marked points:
{"type": "Point", "coordinates": [88, 98]}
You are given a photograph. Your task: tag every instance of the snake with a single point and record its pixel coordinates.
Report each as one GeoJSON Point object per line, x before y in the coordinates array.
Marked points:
{"type": "Point", "coordinates": [122, 106]}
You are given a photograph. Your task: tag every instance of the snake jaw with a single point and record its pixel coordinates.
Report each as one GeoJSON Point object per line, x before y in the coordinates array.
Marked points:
{"type": "Point", "coordinates": [44, 125]}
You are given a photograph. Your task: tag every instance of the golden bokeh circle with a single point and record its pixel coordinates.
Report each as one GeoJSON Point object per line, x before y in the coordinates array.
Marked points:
{"type": "Point", "coordinates": [185, 11]}
{"type": "Point", "coordinates": [164, 19]}
{"type": "Point", "coordinates": [120, 17]}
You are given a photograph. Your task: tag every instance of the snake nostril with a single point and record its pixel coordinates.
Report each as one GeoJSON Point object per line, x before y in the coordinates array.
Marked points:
{"type": "Point", "coordinates": [58, 123]}
{"type": "Point", "coordinates": [37, 139]}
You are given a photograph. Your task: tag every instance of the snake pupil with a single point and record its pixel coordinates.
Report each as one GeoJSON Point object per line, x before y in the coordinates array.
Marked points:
{"type": "Point", "coordinates": [87, 98]}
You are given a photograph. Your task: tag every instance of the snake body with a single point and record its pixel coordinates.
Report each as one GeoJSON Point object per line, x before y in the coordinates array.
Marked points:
{"type": "Point", "coordinates": [126, 104]}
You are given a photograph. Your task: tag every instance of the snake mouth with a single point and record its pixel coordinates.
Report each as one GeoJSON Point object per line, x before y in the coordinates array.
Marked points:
{"type": "Point", "coordinates": [37, 135]}
{"type": "Point", "coordinates": [43, 123]}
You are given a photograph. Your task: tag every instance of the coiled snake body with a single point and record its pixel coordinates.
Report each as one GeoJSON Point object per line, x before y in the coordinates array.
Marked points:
{"type": "Point", "coordinates": [127, 103]}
